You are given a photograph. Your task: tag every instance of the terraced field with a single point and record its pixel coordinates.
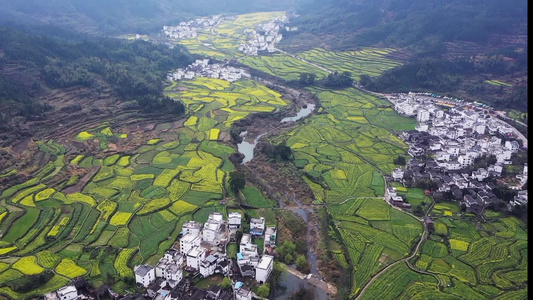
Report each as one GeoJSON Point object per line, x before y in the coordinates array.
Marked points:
{"type": "Point", "coordinates": [283, 66]}
{"type": "Point", "coordinates": [345, 148]}
{"type": "Point", "coordinates": [375, 235]}
{"type": "Point", "coordinates": [121, 209]}
{"type": "Point", "coordinates": [128, 208]}
{"type": "Point", "coordinates": [471, 262]}
{"type": "Point", "coordinates": [370, 61]}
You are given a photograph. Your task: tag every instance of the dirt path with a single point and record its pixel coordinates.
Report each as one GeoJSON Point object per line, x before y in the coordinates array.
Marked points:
{"type": "Point", "coordinates": [215, 26]}
{"type": "Point", "coordinates": [405, 259]}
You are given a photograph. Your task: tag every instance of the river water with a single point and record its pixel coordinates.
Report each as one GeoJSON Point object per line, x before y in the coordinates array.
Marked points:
{"type": "Point", "coordinates": [311, 257]}
{"type": "Point", "coordinates": [291, 283]}
{"type": "Point", "coordinates": [247, 148]}
{"type": "Point", "coordinates": [304, 112]}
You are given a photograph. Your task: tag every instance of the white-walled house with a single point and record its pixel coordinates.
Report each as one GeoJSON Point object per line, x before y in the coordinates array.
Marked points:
{"type": "Point", "coordinates": [270, 239]}
{"type": "Point", "coordinates": [194, 257]}
{"type": "Point", "coordinates": [212, 227]}
{"type": "Point", "coordinates": [246, 244]}
{"type": "Point", "coordinates": [257, 226]}
{"type": "Point", "coordinates": [169, 267]}
{"type": "Point", "coordinates": [442, 156]}
{"type": "Point", "coordinates": [189, 241]}
{"type": "Point", "coordinates": [397, 174]}
{"type": "Point", "coordinates": [144, 274]}
{"type": "Point", "coordinates": [243, 294]}
{"type": "Point", "coordinates": [480, 174]}
{"type": "Point", "coordinates": [264, 268]}
{"type": "Point", "coordinates": [512, 145]}
{"type": "Point", "coordinates": [422, 116]}
{"type": "Point", "coordinates": [234, 220]}
{"type": "Point", "coordinates": [479, 128]}
{"type": "Point", "coordinates": [175, 255]}
{"type": "Point", "coordinates": [173, 273]}
{"type": "Point", "coordinates": [502, 155]}
{"type": "Point", "coordinates": [453, 165]}
{"type": "Point", "coordinates": [207, 266]}
{"type": "Point", "coordinates": [68, 292]}
{"type": "Point", "coordinates": [191, 227]}
{"type": "Point", "coordinates": [465, 160]}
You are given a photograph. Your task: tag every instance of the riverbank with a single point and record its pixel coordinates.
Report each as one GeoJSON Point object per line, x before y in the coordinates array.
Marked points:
{"type": "Point", "coordinates": [294, 280]}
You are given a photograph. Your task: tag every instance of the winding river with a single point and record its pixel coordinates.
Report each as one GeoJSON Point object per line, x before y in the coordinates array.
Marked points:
{"type": "Point", "coordinates": [290, 282]}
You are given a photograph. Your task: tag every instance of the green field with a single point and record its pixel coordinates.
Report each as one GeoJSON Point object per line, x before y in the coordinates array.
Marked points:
{"type": "Point", "coordinates": [498, 83]}
{"type": "Point", "coordinates": [375, 234]}
{"type": "Point", "coordinates": [370, 61]}
{"type": "Point", "coordinates": [133, 203]}
{"type": "Point", "coordinates": [473, 263]}
{"type": "Point", "coordinates": [255, 198]}
{"type": "Point", "coordinates": [345, 150]}
{"type": "Point", "coordinates": [284, 66]}
{"type": "Point", "coordinates": [132, 208]}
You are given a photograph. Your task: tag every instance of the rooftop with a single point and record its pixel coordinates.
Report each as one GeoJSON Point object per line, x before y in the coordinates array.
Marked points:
{"type": "Point", "coordinates": [256, 220]}
{"type": "Point", "coordinates": [192, 225]}
{"type": "Point", "coordinates": [143, 270]}
{"type": "Point", "coordinates": [67, 290]}
{"type": "Point", "coordinates": [189, 238]}
{"type": "Point", "coordinates": [265, 261]}
{"type": "Point", "coordinates": [195, 252]}
{"type": "Point", "coordinates": [234, 215]}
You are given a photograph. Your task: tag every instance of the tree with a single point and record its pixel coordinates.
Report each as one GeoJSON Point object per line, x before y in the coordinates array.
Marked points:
{"type": "Point", "coordinates": [235, 134]}
{"type": "Point", "coordinates": [283, 151]}
{"type": "Point", "coordinates": [504, 193]}
{"type": "Point", "coordinates": [418, 210]}
{"type": "Point", "coordinates": [302, 264]}
{"type": "Point", "coordinates": [338, 80]}
{"type": "Point", "coordinates": [400, 160]}
{"type": "Point", "coordinates": [307, 79]}
{"type": "Point", "coordinates": [365, 80]}
{"type": "Point", "coordinates": [237, 181]}
{"type": "Point", "coordinates": [226, 283]}
{"type": "Point", "coordinates": [276, 274]}
{"type": "Point", "coordinates": [288, 258]}
{"type": "Point", "coordinates": [264, 290]}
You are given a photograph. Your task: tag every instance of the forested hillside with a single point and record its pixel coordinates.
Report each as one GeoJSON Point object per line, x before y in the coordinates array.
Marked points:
{"type": "Point", "coordinates": [475, 50]}
{"type": "Point", "coordinates": [124, 16]}
{"type": "Point", "coordinates": [128, 71]}
{"type": "Point", "coordinates": [349, 23]}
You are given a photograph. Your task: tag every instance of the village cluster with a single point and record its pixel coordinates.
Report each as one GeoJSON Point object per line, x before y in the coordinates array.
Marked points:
{"type": "Point", "coordinates": [202, 68]}
{"type": "Point", "coordinates": [265, 37]}
{"type": "Point", "coordinates": [447, 141]}
{"type": "Point", "coordinates": [189, 30]}
{"type": "Point", "coordinates": [200, 252]}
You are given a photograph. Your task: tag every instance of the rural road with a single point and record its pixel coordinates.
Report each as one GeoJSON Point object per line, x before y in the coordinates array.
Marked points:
{"type": "Point", "coordinates": [503, 115]}
{"type": "Point", "coordinates": [515, 131]}
{"type": "Point", "coordinates": [214, 26]}
{"type": "Point", "coordinates": [406, 259]}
